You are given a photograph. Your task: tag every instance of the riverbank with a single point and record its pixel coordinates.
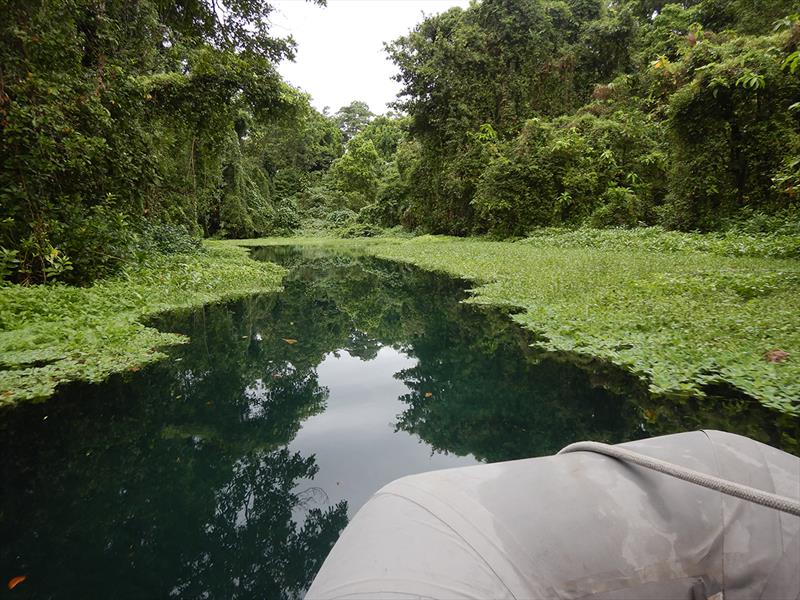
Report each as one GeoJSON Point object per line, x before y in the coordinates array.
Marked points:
{"type": "Point", "coordinates": [55, 334]}
{"type": "Point", "coordinates": [683, 312]}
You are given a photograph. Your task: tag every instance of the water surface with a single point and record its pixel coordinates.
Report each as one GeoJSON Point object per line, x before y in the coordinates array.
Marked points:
{"type": "Point", "coordinates": [229, 470]}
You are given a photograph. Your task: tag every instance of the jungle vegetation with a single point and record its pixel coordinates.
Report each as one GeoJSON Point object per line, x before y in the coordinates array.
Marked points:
{"type": "Point", "coordinates": [52, 334]}
{"type": "Point", "coordinates": [125, 126]}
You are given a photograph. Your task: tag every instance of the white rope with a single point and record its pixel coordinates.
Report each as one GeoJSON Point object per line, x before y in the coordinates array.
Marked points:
{"type": "Point", "coordinates": [737, 490]}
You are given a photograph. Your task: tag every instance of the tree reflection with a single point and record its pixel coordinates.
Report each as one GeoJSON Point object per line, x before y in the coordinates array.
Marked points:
{"type": "Point", "coordinates": [253, 518]}
{"type": "Point", "coordinates": [480, 388]}
{"type": "Point", "coordinates": [175, 480]}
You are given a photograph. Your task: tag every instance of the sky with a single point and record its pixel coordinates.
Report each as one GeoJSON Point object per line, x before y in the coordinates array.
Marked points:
{"type": "Point", "coordinates": [340, 55]}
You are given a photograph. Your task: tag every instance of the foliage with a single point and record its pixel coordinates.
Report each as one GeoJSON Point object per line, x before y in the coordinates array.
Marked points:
{"type": "Point", "coordinates": [735, 242]}
{"type": "Point", "coordinates": [607, 170]}
{"type": "Point", "coordinates": [619, 207]}
{"type": "Point", "coordinates": [359, 230]}
{"type": "Point", "coordinates": [357, 174]}
{"type": "Point", "coordinates": [352, 119]}
{"type": "Point", "coordinates": [498, 63]}
{"type": "Point", "coordinates": [386, 132]}
{"type": "Point", "coordinates": [689, 107]}
{"type": "Point", "coordinates": [295, 149]}
{"type": "Point", "coordinates": [515, 115]}
{"type": "Point", "coordinates": [731, 132]}
{"type": "Point", "coordinates": [166, 238]}
{"type": "Point", "coordinates": [51, 334]}
{"type": "Point", "coordinates": [113, 112]}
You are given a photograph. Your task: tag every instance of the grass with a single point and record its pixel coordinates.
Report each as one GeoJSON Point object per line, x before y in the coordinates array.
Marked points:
{"type": "Point", "coordinates": [656, 239]}
{"type": "Point", "coordinates": [681, 311]}
{"type": "Point", "coordinates": [54, 334]}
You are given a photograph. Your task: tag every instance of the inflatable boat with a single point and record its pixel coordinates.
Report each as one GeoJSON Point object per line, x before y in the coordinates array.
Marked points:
{"type": "Point", "coordinates": [704, 515]}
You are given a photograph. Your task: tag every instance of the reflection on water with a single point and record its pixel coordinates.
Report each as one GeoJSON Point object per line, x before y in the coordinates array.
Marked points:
{"type": "Point", "coordinates": [354, 441]}
{"type": "Point", "coordinates": [230, 470]}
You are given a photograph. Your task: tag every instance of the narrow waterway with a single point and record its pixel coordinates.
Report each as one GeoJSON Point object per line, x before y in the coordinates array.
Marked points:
{"type": "Point", "coordinates": [229, 470]}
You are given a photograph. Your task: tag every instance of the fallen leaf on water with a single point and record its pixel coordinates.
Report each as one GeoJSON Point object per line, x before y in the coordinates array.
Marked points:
{"type": "Point", "coordinates": [289, 341]}
{"type": "Point", "coordinates": [428, 394]}
{"type": "Point", "coordinates": [15, 581]}
{"type": "Point", "coordinates": [776, 356]}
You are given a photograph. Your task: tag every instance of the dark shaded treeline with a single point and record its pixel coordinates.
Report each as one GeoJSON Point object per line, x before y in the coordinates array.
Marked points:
{"type": "Point", "coordinates": [132, 126]}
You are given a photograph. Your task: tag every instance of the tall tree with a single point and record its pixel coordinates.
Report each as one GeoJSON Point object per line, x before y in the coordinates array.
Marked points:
{"type": "Point", "coordinates": [353, 118]}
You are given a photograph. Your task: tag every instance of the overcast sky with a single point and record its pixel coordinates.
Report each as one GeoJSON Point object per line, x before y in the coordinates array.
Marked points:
{"type": "Point", "coordinates": [340, 55]}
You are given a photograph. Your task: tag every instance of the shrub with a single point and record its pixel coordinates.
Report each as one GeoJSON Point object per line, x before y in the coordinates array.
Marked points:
{"type": "Point", "coordinates": [357, 230]}
{"type": "Point", "coordinates": [285, 219]}
{"type": "Point", "coordinates": [156, 237]}
{"type": "Point", "coordinates": [608, 170]}
{"type": "Point", "coordinates": [620, 208]}
{"type": "Point", "coordinates": [730, 133]}
{"type": "Point", "coordinates": [96, 241]}
{"type": "Point", "coordinates": [341, 217]}
{"type": "Point", "coordinates": [357, 173]}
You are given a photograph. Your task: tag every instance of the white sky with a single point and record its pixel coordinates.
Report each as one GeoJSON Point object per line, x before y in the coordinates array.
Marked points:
{"type": "Point", "coordinates": [340, 55]}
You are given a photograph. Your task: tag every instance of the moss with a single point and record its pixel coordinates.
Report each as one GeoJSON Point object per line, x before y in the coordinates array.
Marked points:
{"type": "Point", "coordinates": [54, 334]}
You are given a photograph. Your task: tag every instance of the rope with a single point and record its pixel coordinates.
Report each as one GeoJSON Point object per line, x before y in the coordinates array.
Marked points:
{"type": "Point", "coordinates": [737, 490]}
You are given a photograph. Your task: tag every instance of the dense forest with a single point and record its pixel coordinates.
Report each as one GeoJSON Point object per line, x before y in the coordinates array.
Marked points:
{"type": "Point", "coordinates": [138, 126]}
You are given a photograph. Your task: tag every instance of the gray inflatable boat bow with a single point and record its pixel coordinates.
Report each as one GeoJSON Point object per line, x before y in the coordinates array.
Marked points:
{"type": "Point", "coordinates": [578, 525]}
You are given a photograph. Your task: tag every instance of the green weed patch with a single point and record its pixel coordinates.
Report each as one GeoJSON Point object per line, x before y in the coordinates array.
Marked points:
{"type": "Point", "coordinates": [52, 334]}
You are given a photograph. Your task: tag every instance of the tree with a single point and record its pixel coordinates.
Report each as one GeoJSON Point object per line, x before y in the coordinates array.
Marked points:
{"type": "Point", "coordinates": [578, 96]}
{"type": "Point", "coordinates": [357, 174]}
{"type": "Point", "coordinates": [353, 118]}
{"type": "Point", "coordinates": [496, 63]}
{"type": "Point", "coordinates": [115, 113]}
{"type": "Point", "coordinates": [385, 132]}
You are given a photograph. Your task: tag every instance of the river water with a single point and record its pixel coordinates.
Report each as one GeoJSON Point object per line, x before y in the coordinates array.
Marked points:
{"type": "Point", "coordinates": [229, 470]}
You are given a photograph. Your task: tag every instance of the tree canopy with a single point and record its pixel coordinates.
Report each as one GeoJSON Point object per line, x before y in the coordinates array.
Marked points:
{"type": "Point", "coordinates": [126, 123]}
{"type": "Point", "coordinates": [532, 113]}
{"type": "Point", "coordinates": [116, 113]}
{"type": "Point", "coordinates": [352, 118]}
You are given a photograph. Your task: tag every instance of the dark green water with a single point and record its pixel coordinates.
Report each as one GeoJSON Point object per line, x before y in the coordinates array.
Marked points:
{"type": "Point", "coordinates": [230, 470]}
